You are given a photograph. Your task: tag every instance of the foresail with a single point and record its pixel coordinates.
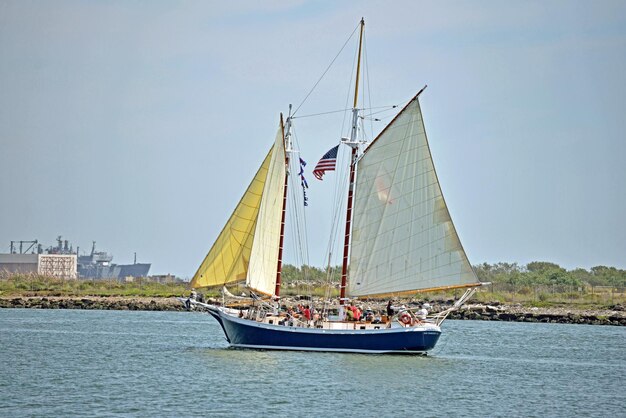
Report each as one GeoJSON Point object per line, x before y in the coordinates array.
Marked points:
{"type": "Point", "coordinates": [264, 257]}
{"type": "Point", "coordinates": [402, 236]}
{"type": "Point", "coordinates": [228, 259]}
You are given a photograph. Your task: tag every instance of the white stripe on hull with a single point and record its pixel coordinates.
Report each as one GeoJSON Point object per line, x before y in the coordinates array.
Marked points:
{"type": "Point", "coordinates": [337, 350]}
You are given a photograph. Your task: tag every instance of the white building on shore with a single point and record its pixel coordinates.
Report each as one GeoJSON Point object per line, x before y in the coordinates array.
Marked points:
{"type": "Point", "coordinates": [52, 265]}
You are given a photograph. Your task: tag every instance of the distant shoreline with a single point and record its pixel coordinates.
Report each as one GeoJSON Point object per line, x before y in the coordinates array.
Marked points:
{"type": "Point", "coordinates": [125, 303]}
{"type": "Point", "coordinates": [485, 312]}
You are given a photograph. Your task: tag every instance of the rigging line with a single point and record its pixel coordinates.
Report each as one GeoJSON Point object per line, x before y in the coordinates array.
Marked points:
{"type": "Point", "coordinates": [340, 186]}
{"type": "Point", "coordinates": [322, 113]}
{"type": "Point", "coordinates": [294, 217]}
{"type": "Point", "coordinates": [301, 207]}
{"type": "Point", "coordinates": [337, 194]}
{"type": "Point", "coordinates": [295, 239]}
{"type": "Point", "coordinates": [328, 68]}
{"type": "Point", "coordinates": [342, 193]}
{"type": "Point", "coordinates": [300, 213]}
{"type": "Point", "coordinates": [336, 203]}
{"type": "Point", "coordinates": [340, 210]}
{"type": "Point", "coordinates": [305, 248]}
{"type": "Point", "coordinates": [348, 95]}
{"type": "Point", "coordinates": [296, 232]}
{"type": "Point", "coordinates": [369, 92]}
{"type": "Point", "coordinates": [383, 118]}
{"type": "Point", "coordinates": [292, 214]}
{"type": "Point", "coordinates": [305, 240]}
{"type": "Point", "coordinates": [380, 107]}
{"type": "Point", "coordinates": [303, 235]}
{"type": "Point", "coordinates": [386, 109]}
{"type": "Point", "coordinates": [292, 229]}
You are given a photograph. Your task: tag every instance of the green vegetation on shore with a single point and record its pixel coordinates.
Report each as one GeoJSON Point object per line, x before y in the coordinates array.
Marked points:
{"type": "Point", "coordinates": [535, 284]}
{"type": "Point", "coordinates": [548, 284]}
{"type": "Point", "coordinates": [37, 285]}
{"type": "Point", "coordinates": [550, 274]}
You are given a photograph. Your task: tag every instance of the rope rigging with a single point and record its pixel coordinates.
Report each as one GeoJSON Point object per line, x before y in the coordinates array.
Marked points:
{"type": "Point", "coordinates": [327, 68]}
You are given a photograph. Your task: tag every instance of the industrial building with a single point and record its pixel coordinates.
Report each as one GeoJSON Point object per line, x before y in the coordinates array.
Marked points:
{"type": "Point", "coordinates": [63, 261]}
{"type": "Point", "coordinates": [52, 265]}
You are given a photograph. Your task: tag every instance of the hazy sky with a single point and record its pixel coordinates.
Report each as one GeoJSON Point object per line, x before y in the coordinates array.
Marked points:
{"type": "Point", "coordinates": [140, 124]}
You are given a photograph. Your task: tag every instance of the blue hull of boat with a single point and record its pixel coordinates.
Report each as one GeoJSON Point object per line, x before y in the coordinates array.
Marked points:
{"type": "Point", "coordinates": [250, 334]}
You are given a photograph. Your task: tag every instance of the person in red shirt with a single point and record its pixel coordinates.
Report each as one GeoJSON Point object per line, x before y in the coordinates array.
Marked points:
{"type": "Point", "coordinates": [356, 314]}
{"type": "Point", "coordinates": [307, 313]}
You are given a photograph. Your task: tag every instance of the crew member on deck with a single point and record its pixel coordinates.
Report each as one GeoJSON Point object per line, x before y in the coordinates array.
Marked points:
{"type": "Point", "coordinates": [191, 297]}
{"type": "Point", "coordinates": [349, 314]}
{"type": "Point", "coordinates": [355, 312]}
{"type": "Point", "coordinates": [390, 310]}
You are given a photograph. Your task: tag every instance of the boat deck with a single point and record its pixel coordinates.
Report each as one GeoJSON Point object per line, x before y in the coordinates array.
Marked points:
{"type": "Point", "coordinates": [334, 325]}
{"type": "Point", "coordinates": [325, 324]}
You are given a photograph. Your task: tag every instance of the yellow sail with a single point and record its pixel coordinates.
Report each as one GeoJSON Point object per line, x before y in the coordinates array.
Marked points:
{"type": "Point", "coordinates": [228, 259]}
{"type": "Point", "coordinates": [264, 255]}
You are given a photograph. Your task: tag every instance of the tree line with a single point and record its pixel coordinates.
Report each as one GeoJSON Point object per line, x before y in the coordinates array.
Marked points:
{"type": "Point", "coordinates": [546, 273]}
{"type": "Point", "coordinates": [531, 274]}
{"type": "Point", "coordinates": [293, 274]}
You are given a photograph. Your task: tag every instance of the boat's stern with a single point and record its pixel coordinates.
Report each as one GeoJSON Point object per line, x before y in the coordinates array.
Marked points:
{"type": "Point", "coordinates": [430, 336]}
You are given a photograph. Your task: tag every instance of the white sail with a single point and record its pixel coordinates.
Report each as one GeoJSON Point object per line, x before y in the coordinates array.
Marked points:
{"type": "Point", "coordinates": [261, 274]}
{"type": "Point", "coordinates": [402, 236]}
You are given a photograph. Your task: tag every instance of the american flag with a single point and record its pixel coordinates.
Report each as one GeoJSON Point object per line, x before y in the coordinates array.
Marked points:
{"type": "Point", "coordinates": [326, 163]}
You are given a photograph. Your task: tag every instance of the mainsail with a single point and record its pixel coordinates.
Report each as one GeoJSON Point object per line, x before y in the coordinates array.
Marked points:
{"type": "Point", "coordinates": [403, 239]}
{"type": "Point", "coordinates": [247, 247]}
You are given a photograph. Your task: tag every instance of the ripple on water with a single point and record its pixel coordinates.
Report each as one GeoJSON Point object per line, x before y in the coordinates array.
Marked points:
{"type": "Point", "coordinates": [120, 363]}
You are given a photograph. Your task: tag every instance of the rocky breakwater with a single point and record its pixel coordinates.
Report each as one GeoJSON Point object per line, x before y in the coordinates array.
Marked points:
{"type": "Point", "coordinates": [494, 311]}
{"type": "Point", "coordinates": [613, 315]}
{"type": "Point", "coordinates": [94, 302]}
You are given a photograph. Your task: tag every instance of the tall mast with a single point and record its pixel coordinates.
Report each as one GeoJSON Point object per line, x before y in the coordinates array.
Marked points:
{"type": "Point", "coordinates": [354, 145]}
{"type": "Point", "coordinates": [287, 142]}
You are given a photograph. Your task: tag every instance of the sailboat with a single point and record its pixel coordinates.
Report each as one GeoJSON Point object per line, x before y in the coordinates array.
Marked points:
{"type": "Point", "coordinates": [399, 240]}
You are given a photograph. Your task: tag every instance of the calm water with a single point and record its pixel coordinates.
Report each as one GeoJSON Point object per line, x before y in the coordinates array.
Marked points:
{"type": "Point", "coordinates": [119, 363]}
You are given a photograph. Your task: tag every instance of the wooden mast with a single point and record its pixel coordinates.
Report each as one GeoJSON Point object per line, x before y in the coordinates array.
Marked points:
{"type": "Point", "coordinates": [354, 144]}
{"type": "Point", "coordinates": [358, 69]}
{"type": "Point", "coordinates": [346, 242]}
{"type": "Point", "coordinates": [282, 220]}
